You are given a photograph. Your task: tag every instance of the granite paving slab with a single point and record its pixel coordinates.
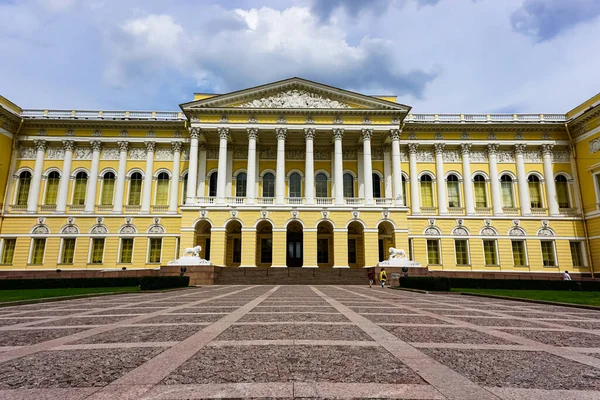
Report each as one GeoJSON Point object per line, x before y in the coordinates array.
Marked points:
{"type": "Point", "coordinates": [281, 317]}
{"type": "Point", "coordinates": [499, 322]}
{"type": "Point", "coordinates": [46, 313]}
{"type": "Point", "coordinates": [294, 309]}
{"type": "Point", "coordinates": [560, 338]}
{"type": "Point", "coordinates": [187, 318]}
{"type": "Point", "coordinates": [14, 321]}
{"type": "Point", "coordinates": [376, 310]}
{"type": "Point", "coordinates": [591, 324]}
{"type": "Point", "coordinates": [128, 311]}
{"type": "Point", "coordinates": [77, 321]}
{"type": "Point", "coordinates": [404, 319]}
{"type": "Point", "coordinates": [295, 332]}
{"type": "Point", "coordinates": [420, 334]}
{"type": "Point", "coordinates": [33, 336]}
{"type": "Point", "coordinates": [143, 334]}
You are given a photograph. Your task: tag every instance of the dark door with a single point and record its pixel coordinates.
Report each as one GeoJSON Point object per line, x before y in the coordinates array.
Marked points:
{"type": "Point", "coordinates": [294, 249]}
{"type": "Point", "coordinates": [381, 250]}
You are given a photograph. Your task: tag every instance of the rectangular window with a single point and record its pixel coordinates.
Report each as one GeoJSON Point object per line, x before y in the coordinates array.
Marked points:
{"type": "Point", "coordinates": [8, 251]}
{"type": "Point", "coordinates": [576, 254]}
{"type": "Point", "coordinates": [489, 252]}
{"type": "Point", "coordinates": [597, 179]}
{"type": "Point", "coordinates": [126, 253]}
{"type": "Point", "coordinates": [97, 251]}
{"type": "Point", "coordinates": [426, 194]}
{"type": "Point", "coordinates": [68, 251]}
{"type": "Point", "coordinates": [37, 252]}
{"type": "Point", "coordinates": [108, 190]}
{"type": "Point", "coordinates": [237, 250]}
{"type": "Point", "coordinates": [453, 194]}
{"type": "Point", "coordinates": [266, 251]}
{"type": "Point", "coordinates": [323, 251]}
{"type": "Point", "coordinates": [461, 247]}
{"type": "Point", "coordinates": [507, 194]}
{"type": "Point", "coordinates": [548, 258]}
{"type": "Point", "coordinates": [480, 194]}
{"type": "Point", "coordinates": [351, 251]}
{"type": "Point", "coordinates": [518, 250]}
{"type": "Point", "coordinates": [410, 250]}
{"type": "Point", "coordinates": [433, 252]}
{"type": "Point", "coordinates": [162, 192]}
{"type": "Point", "coordinates": [155, 250]}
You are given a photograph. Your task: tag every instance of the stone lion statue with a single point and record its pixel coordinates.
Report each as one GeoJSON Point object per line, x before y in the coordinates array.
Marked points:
{"type": "Point", "coordinates": [396, 253]}
{"type": "Point", "coordinates": [192, 251]}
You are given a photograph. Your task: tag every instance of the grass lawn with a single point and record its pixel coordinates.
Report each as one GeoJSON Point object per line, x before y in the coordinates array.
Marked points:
{"type": "Point", "coordinates": [562, 296]}
{"type": "Point", "coordinates": [30, 294]}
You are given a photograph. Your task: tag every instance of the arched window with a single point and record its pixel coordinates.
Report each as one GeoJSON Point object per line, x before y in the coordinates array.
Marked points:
{"type": "Point", "coordinates": [108, 189]}
{"type": "Point", "coordinates": [426, 191]}
{"type": "Point", "coordinates": [240, 184]}
{"type": "Point", "coordinates": [562, 192]}
{"type": "Point", "coordinates": [135, 189]}
{"type": "Point", "coordinates": [295, 185]}
{"type": "Point", "coordinates": [404, 190]}
{"type": "Point", "coordinates": [453, 191]}
{"type": "Point", "coordinates": [376, 186]}
{"type": "Point", "coordinates": [23, 190]}
{"type": "Point", "coordinates": [268, 185]}
{"type": "Point", "coordinates": [348, 185]}
{"type": "Point", "coordinates": [479, 187]}
{"type": "Point", "coordinates": [184, 186]}
{"type": "Point", "coordinates": [162, 189]}
{"type": "Point", "coordinates": [80, 187]}
{"type": "Point", "coordinates": [212, 184]}
{"type": "Point", "coordinates": [506, 184]}
{"type": "Point", "coordinates": [321, 185]}
{"type": "Point", "coordinates": [535, 193]}
{"type": "Point", "coordinates": [52, 188]}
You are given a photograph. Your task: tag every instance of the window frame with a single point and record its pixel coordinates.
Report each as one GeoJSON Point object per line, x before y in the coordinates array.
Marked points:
{"type": "Point", "coordinates": [87, 182]}
{"type": "Point", "coordinates": [467, 252]}
{"type": "Point", "coordinates": [430, 183]}
{"type": "Point", "coordinates": [568, 189]}
{"type": "Point", "coordinates": [120, 252]}
{"type": "Point", "coordinates": [496, 255]}
{"type": "Point", "coordinates": [112, 201]}
{"type": "Point", "coordinates": [539, 188]}
{"type": "Point", "coordinates": [553, 244]}
{"type": "Point", "coordinates": [31, 250]}
{"type": "Point", "coordinates": [345, 183]}
{"type": "Point", "coordinates": [582, 253]}
{"type": "Point", "coordinates": [168, 188]}
{"type": "Point", "coordinates": [62, 249]}
{"type": "Point", "coordinates": [439, 251]}
{"type": "Point", "coordinates": [512, 191]}
{"type": "Point", "coordinates": [47, 186]}
{"type": "Point", "coordinates": [3, 249]}
{"type": "Point", "coordinates": [484, 184]}
{"type": "Point", "coordinates": [264, 187]}
{"type": "Point", "coordinates": [149, 249]}
{"type": "Point", "coordinates": [213, 185]}
{"type": "Point", "coordinates": [299, 193]}
{"type": "Point", "coordinates": [129, 188]}
{"type": "Point", "coordinates": [91, 250]}
{"type": "Point", "coordinates": [525, 253]}
{"type": "Point", "coordinates": [238, 183]}
{"type": "Point", "coordinates": [458, 191]}
{"type": "Point", "coordinates": [320, 182]}
{"type": "Point", "coordinates": [381, 181]}
{"type": "Point", "coordinates": [19, 188]}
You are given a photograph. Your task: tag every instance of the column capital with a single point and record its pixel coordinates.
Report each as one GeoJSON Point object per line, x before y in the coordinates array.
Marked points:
{"type": "Point", "coordinates": [338, 133]}
{"type": "Point", "coordinates": [412, 148]}
{"type": "Point", "coordinates": [546, 149]}
{"type": "Point", "coordinates": [395, 134]}
{"type": "Point", "coordinates": [194, 133]}
{"type": "Point", "coordinates": [69, 145]}
{"type": "Point", "coordinates": [203, 146]}
{"type": "Point", "coordinates": [465, 149]}
{"type": "Point", "coordinates": [438, 148]}
{"type": "Point", "coordinates": [252, 133]}
{"type": "Point", "coordinates": [40, 145]}
{"type": "Point", "coordinates": [281, 133]}
{"type": "Point", "coordinates": [492, 148]}
{"type": "Point", "coordinates": [150, 146]}
{"type": "Point", "coordinates": [520, 148]}
{"type": "Point", "coordinates": [223, 132]}
{"type": "Point", "coordinates": [177, 146]}
{"type": "Point", "coordinates": [309, 133]}
{"type": "Point", "coordinates": [96, 145]}
{"type": "Point", "coordinates": [366, 134]}
{"type": "Point", "coordinates": [123, 145]}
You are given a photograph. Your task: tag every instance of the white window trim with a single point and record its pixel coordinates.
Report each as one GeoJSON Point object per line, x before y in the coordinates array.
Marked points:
{"type": "Point", "coordinates": [512, 192]}
{"type": "Point", "coordinates": [569, 189]}
{"type": "Point", "coordinates": [18, 183]}
{"type": "Point", "coordinates": [121, 249]}
{"type": "Point", "coordinates": [433, 191]}
{"type": "Point", "coordinates": [156, 190]}
{"type": "Point", "coordinates": [46, 180]}
{"type": "Point", "coordinates": [524, 249]}
{"type": "Point", "coordinates": [148, 251]}
{"type": "Point", "coordinates": [74, 179]}
{"type": "Point", "coordinates": [460, 184]}
{"type": "Point", "coordinates": [289, 185]}
{"type": "Point", "coordinates": [91, 249]}
{"type": "Point", "coordinates": [129, 191]}
{"type": "Point", "coordinates": [595, 176]}
{"type": "Point", "coordinates": [468, 253]}
{"type": "Point", "coordinates": [495, 250]}
{"type": "Point", "coordinates": [102, 190]}
{"type": "Point", "coordinates": [542, 184]}
{"type": "Point", "coordinates": [583, 254]}
{"type": "Point", "coordinates": [441, 262]}
{"type": "Point", "coordinates": [553, 241]}
{"type": "Point", "coordinates": [61, 247]}
{"type": "Point", "coordinates": [29, 259]}
{"type": "Point", "coordinates": [2, 242]}
{"type": "Point", "coordinates": [486, 182]}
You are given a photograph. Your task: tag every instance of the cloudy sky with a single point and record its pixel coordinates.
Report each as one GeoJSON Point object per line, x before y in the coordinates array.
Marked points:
{"type": "Point", "coordinates": [436, 55]}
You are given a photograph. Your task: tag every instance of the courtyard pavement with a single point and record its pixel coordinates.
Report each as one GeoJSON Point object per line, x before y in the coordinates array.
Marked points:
{"type": "Point", "coordinates": [298, 342]}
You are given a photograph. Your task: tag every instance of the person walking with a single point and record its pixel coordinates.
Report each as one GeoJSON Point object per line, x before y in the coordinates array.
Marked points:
{"type": "Point", "coordinates": [566, 276]}
{"type": "Point", "coordinates": [371, 276]}
{"type": "Point", "coordinates": [382, 277]}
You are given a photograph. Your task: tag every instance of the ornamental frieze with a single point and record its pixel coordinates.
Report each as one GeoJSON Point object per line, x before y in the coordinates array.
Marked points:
{"type": "Point", "coordinates": [240, 152]}
{"type": "Point", "coordinates": [377, 153]}
{"type": "Point", "coordinates": [295, 154]}
{"type": "Point", "coordinates": [594, 145]}
{"type": "Point", "coordinates": [111, 153]}
{"type": "Point", "coordinates": [164, 154]}
{"type": "Point", "coordinates": [267, 153]}
{"type": "Point", "coordinates": [478, 156]}
{"type": "Point", "coordinates": [561, 156]}
{"type": "Point", "coordinates": [83, 153]}
{"type": "Point", "coordinates": [55, 153]}
{"type": "Point", "coordinates": [451, 156]}
{"type": "Point", "coordinates": [532, 156]}
{"type": "Point", "coordinates": [349, 154]}
{"type": "Point", "coordinates": [425, 156]}
{"type": "Point", "coordinates": [185, 155]}
{"type": "Point", "coordinates": [505, 156]}
{"type": "Point", "coordinates": [136, 153]}
{"type": "Point", "coordinates": [295, 99]}
{"type": "Point", "coordinates": [212, 153]}
{"type": "Point", "coordinates": [27, 153]}
{"type": "Point", "coordinates": [322, 154]}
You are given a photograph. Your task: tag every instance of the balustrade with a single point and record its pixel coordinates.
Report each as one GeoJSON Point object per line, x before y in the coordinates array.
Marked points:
{"type": "Point", "coordinates": [511, 210]}
{"type": "Point", "coordinates": [456, 210]}
{"type": "Point", "coordinates": [539, 211]}
{"type": "Point", "coordinates": [483, 210]}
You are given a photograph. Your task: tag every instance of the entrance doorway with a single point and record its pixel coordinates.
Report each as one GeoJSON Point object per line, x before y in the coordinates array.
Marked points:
{"type": "Point", "coordinates": [386, 239]}
{"type": "Point", "coordinates": [325, 244]}
{"type": "Point", "coordinates": [294, 245]}
{"type": "Point", "coordinates": [202, 238]}
{"type": "Point", "coordinates": [233, 254]}
{"type": "Point", "coordinates": [264, 244]}
{"type": "Point", "coordinates": [356, 245]}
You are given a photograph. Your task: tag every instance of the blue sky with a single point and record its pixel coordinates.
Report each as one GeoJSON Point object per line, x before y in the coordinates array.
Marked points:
{"type": "Point", "coordinates": [436, 55]}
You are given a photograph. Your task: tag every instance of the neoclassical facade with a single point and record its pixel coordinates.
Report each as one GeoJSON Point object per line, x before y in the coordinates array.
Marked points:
{"type": "Point", "coordinates": [299, 174]}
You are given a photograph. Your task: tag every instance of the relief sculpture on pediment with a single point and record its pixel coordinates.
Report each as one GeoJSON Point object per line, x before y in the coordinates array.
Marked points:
{"type": "Point", "coordinates": [294, 99]}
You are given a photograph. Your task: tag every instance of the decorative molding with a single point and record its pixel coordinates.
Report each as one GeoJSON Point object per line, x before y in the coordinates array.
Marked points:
{"type": "Point", "coordinates": [425, 156]}
{"type": "Point", "coordinates": [438, 136]}
{"type": "Point", "coordinates": [26, 153]}
{"type": "Point", "coordinates": [295, 154]}
{"type": "Point", "coordinates": [151, 134]}
{"type": "Point", "coordinates": [240, 152]}
{"type": "Point", "coordinates": [438, 149]}
{"type": "Point", "coordinates": [546, 149]}
{"type": "Point", "coordinates": [124, 133]}
{"type": "Point", "coordinates": [451, 156]}
{"type": "Point", "coordinates": [532, 156]}
{"type": "Point", "coordinates": [99, 229]}
{"type": "Point", "coordinates": [505, 156]}
{"type": "Point", "coordinates": [69, 145]}
{"type": "Point", "coordinates": [338, 120]}
{"type": "Point", "coordinates": [40, 230]}
{"type": "Point", "coordinates": [492, 149]}
{"type": "Point", "coordinates": [40, 145]}
{"type": "Point", "coordinates": [413, 148]}
{"type": "Point", "coordinates": [110, 153]}
{"type": "Point", "coordinates": [123, 146]}
{"type": "Point", "coordinates": [55, 153]}
{"type": "Point", "coordinates": [520, 148]}
{"type": "Point", "coordinates": [137, 153]}
{"type": "Point", "coordinates": [165, 153]}
{"type": "Point", "coordinates": [594, 145]}
{"type": "Point", "coordinates": [96, 145]}
{"type": "Point", "coordinates": [309, 133]}
{"type": "Point", "coordinates": [177, 146]}
{"type": "Point", "coordinates": [366, 134]}
{"type": "Point", "coordinates": [349, 154]}
{"type": "Point", "coordinates": [322, 154]}
{"type": "Point", "coordinates": [338, 133]}
{"type": "Point", "coordinates": [294, 98]}
{"type": "Point", "coordinates": [83, 153]}
{"type": "Point", "coordinates": [281, 133]}
{"type": "Point", "coordinates": [252, 133]}
{"type": "Point", "coordinates": [194, 133]}
{"type": "Point", "coordinates": [267, 153]}
{"type": "Point", "coordinates": [150, 146]}
{"type": "Point", "coordinates": [212, 153]}
{"type": "Point", "coordinates": [394, 134]}
{"type": "Point", "coordinates": [465, 148]}
{"type": "Point", "coordinates": [367, 121]}
{"type": "Point", "coordinates": [97, 133]}
{"type": "Point", "coordinates": [478, 156]}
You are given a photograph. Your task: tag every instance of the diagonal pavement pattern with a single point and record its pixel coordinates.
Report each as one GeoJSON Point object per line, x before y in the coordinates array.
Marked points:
{"type": "Point", "coordinates": [298, 342]}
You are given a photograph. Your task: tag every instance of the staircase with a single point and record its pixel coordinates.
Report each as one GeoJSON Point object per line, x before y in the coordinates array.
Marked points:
{"type": "Point", "coordinates": [290, 276]}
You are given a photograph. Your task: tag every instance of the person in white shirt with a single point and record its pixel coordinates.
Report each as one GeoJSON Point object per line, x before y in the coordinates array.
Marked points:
{"type": "Point", "coordinates": [566, 276]}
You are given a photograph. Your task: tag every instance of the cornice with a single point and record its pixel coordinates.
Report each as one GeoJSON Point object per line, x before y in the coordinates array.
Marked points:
{"type": "Point", "coordinates": [484, 127]}
{"type": "Point", "coordinates": [102, 124]}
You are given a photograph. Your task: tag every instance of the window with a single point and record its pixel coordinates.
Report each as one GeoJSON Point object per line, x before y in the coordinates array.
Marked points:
{"type": "Point", "coordinates": [562, 192]}
{"type": "Point", "coordinates": [597, 180]}
{"type": "Point", "coordinates": [8, 251]}
{"type": "Point", "coordinates": [240, 184]}
{"type": "Point", "coordinates": [266, 251]}
{"type": "Point", "coordinates": [404, 190]}
{"type": "Point", "coordinates": [155, 247]}
{"type": "Point", "coordinates": [577, 254]}
{"type": "Point", "coordinates": [23, 190]}
{"type": "Point", "coordinates": [97, 251]}
{"type": "Point", "coordinates": [322, 251]}
{"type": "Point", "coordinates": [135, 189]}
{"type": "Point", "coordinates": [433, 252]}
{"type": "Point", "coordinates": [548, 257]}
{"type": "Point", "coordinates": [489, 252]}
{"type": "Point", "coordinates": [506, 184]}
{"type": "Point", "coordinates": [37, 251]}
{"type": "Point", "coordinates": [410, 250]}
{"type": "Point", "coordinates": [212, 184]}
{"type": "Point", "coordinates": [296, 185]}
{"type": "Point", "coordinates": [108, 189]}
{"type": "Point", "coordinates": [351, 251]}
{"type": "Point", "coordinates": [461, 248]}
{"type": "Point", "coordinates": [426, 191]}
{"type": "Point", "coordinates": [535, 194]}
{"type": "Point", "coordinates": [518, 250]}
{"type": "Point", "coordinates": [80, 187]}
{"type": "Point", "coordinates": [453, 191]}
{"type": "Point", "coordinates": [52, 183]}
{"type": "Point", "coordinates": [184, 188]}
{"type": "Point", "coordinates": [68, 251]}
{"type": "Point", "coordinates": [348, 185]}
{"type": "Point", "coordinates": [479, 186]}
{"type": "Point", "coordinates": [237, 250]}
{"type": "Point", "coordinates": [268, 185]}
{"type": "Point", "coordinates": [126, 253]}
{"type": "Point", "coordinates": [321, 185]}
{"type": "Point", "coordinates": [162, 189]}
{"type": "Point", "coordinates": [376, 186]}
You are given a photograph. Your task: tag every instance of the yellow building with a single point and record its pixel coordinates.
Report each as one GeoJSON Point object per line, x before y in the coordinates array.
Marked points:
{"type": "Point", "coordinates": [299, 174]}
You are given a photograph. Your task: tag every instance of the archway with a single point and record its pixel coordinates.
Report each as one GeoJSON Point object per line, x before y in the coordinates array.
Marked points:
{"type": "Point", "coordinates": [233, 244]}
{"type": "Point", "coordinates": [264, 244]}
{"type": "Point", "coordinates": [356, 245]}
{"type": "Point", "coordinates": [386, 239]}
{"type": "Point", "coordinates": [294, 245]}
{"type": "Point", "coordinates": [325, 252]}
{"type": "Point", "coordinates": [202, 238]}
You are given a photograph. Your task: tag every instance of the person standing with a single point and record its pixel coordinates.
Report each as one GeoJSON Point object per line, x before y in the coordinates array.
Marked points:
{"type": "Point", "coordinates": [371, 276]}
{"type": "Point", "coordinates": [382, 277]}
{"type": "Point", "coordinates": [566, 276]}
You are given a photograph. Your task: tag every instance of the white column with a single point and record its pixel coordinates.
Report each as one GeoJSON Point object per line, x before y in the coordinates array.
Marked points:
{"type": "Point", "coordinates": [360, 173]}
{"type": "Point", "coordinates": [280, 170]}
{"type": "Point", "coordinates": [92, 186]}
{"type": "Point", "coordinates": [120, 189]}
{"type": "Point", "coordinates": [338, 134]}
{"type": "Point", "coordinates": [467, 181]}
{"type": "Point", "coordinates": [36, 181]}
{"type": "Point", "coordinates": [441, 181]}
{"type": "Point", "coordinates": [251, 172]}
{"type": "Point", "coordinates": [65, 177]}
{"type": "Point", "coordinates": [524, 200]}
{"type": "Point", "coordinates": [148, 177]}
{"type": "Point", "coordinates": [397, 167]}
{"type": "Point", "coordinates": [222, 166]}
{"type": "Point", "coordinates": [201, 176]}
{"type": "Point", "coordinates": [494, 178]}
{"type": "Point", "coordinates": [414, 179]}
{"type": "Point", "coordinates": [387, 172]}
{"type": "Point", "coordinates": [309, 166]}
{"type": "Point", "coordinates": [229, 183]}
{"type": "Point", "coordinates": [367, 165]}
{"type": "Point", "coordinates": [193, 166]}
{"type": "Point", "coordinates": [547, 156]}
{"type": "Point", "coordinates": [175, 172]}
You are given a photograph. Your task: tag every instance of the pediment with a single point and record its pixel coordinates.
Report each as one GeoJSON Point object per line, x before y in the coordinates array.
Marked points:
{"type": "Point", "coordinates": [295, 98]}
